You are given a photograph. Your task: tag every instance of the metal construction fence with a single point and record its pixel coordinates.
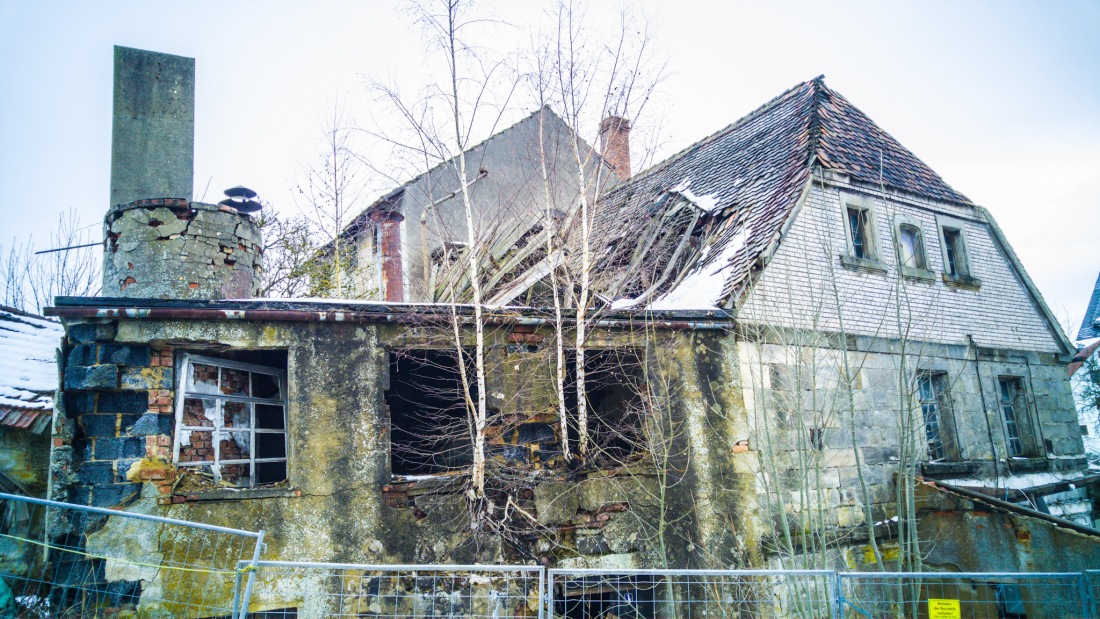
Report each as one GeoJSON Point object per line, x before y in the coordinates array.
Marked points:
{"type": "Point", "coordinates": [972, 595]}
{"type": "Point", "coordinates": [296, 589]}
{"type": "Point", "coordinates": [688, 594]}
{"type": "Point", "coordinates": [63, 560]}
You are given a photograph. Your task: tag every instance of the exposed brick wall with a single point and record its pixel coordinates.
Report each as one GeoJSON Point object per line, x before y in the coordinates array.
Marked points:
{"type": "Point", "coordinates": [120, 397]}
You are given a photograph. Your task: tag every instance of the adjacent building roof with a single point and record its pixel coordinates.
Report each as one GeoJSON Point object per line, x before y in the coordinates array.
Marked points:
{"type": "Point", "coordinates": [1090, 325]}
{"type": "Point", "coordinates": [28, 368]}
{"type": "Point", "coordinates": [747, 180]}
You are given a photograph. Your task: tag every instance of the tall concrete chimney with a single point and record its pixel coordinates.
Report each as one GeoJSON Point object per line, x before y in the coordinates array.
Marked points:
{"type": "Point", "coordinates": [615, 144]}
{"type": "Point", "coordinates": [153, 135]}
{"type": "Point", "coordinates": [160, 244]}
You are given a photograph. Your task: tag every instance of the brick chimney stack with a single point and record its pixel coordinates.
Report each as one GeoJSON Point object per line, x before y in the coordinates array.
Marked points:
{"type": "Point", "coordinates": [615, 144]}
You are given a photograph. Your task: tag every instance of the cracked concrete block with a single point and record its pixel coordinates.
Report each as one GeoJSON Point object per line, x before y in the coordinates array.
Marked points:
{"type": "Point", "coordinates": [556, 502]}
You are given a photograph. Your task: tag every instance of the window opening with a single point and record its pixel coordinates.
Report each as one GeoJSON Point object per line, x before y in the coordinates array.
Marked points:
{"type": "Point", "coordinates": [1014, 410]}
{"type": "Point", "coordinates": [935, 406]}
{"type": "Point", "coordinates": [859, 225]}
{"type": "Point", "coordinates": [817, 439]}
{"type": "Point", "coordinates": [911, 246]}
{"type": "Point", "coordinates": [615, 384]}
{"type": "Point", "coordinates": [231, 419]}
{"type": "Point", "coordinates": [956, 254]}
{"type": "Point", "coordinates": [609, 596]}
{"type": "Point", "coordinates": [429, 422]}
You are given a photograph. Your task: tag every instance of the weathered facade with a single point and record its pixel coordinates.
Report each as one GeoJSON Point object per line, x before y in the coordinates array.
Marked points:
{"type": "Point", "coordinates": [796, 320]}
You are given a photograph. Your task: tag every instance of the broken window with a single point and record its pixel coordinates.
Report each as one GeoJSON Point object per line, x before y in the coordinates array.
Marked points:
{"type": "Point", "coordinates": [954, 253]}
{"type": "Point", "coordinates": [935, 404]}
{"type": "Point", "coordinates": [617, 596]}
{"type": "Point", "coordinates": [231, 420]}
{"type": "Point", "coordinates": [429, 422]}
{"type": "Point", "coordinates": [911, 247]}
{"type": "Point", "coordinates": [614, 384]}
{"type": "Point", "coordinates": [860, 235]}
{"type": "Point", "coordinates": [1014, 410]}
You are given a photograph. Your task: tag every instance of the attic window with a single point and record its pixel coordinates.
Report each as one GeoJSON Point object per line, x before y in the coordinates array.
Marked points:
{"type": "Point", "coordinates": [910, 247]}
{"type": "Point", "coordinates": [231, 420]}
{"type": "Point", "coordinates": [954, 252]}
{"type": "Point", "coordinates": [956, 257]}
{"type": "Point", "coordinates": [859, 227]}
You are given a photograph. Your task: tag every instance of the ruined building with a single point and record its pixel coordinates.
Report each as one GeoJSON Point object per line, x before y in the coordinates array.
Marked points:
{"type": "Point", "coordinates": [794, 318]}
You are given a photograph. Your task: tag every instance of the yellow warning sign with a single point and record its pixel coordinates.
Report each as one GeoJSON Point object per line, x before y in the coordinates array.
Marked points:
{"type": "Point", "coordinates": [943, 609]}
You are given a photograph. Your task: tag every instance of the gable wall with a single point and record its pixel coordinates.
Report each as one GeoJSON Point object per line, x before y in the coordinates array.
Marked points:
{"type": "Point", "coordinates": [797, 287]}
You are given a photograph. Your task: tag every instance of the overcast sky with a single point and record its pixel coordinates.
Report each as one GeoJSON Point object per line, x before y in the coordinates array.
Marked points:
{"type": "Point", "coordinates": [1001, 98]}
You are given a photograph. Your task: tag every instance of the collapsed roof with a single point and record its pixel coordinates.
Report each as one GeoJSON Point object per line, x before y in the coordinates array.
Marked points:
{"type": "Point", "coordinates": [689, 231]}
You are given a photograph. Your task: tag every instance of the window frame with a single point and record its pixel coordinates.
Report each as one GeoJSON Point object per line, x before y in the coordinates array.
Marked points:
{"type": "Point", "coordinates": [963, 274]}
{"type": "Point", "coordinates": [872, 255]}
{"type": "Point", "coordinates": [187, 361]}
{"type": "Point", "coordinates": [1028, 445]}
{"type": "Point", "coordinates": [946, 447]}
{"type": "Point", "coordinates": [918, 271]}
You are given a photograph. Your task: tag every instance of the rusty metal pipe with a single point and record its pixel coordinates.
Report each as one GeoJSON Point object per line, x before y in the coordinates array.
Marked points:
{"type": "Point", "coordinates": [179, 313]}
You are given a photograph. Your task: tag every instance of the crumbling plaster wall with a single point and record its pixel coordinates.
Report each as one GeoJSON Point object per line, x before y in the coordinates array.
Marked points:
{"type": "Point", "coordinates": [339, 503]}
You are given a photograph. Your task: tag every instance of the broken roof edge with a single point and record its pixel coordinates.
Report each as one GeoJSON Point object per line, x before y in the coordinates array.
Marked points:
{"type": "Point", "coordinates": [350, 310]}
{"type": "Point", "coordinates": [978, 497]}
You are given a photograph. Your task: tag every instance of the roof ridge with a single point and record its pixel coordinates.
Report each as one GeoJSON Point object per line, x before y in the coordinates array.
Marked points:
{"type": "Point", "coordinates": [760, 110]}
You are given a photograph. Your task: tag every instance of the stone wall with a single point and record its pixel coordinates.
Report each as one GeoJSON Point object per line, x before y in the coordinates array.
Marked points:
{"type": "Point", "coordinates": [802, 427]}
{"type": "Point", "coordinates": [341, 503]}
{"type": "Point", "coordinates": [174, 249]}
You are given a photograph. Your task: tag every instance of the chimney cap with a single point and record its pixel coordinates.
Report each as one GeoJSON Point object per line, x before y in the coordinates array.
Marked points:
{"type": "Point", "coordinates": [240, 191]}
{"type": "Point", "coordinates": [241, 199]}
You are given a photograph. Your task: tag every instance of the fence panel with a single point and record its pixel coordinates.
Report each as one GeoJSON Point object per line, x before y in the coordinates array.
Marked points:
{"type": "Point", "coordinates": [330, 590]}
{"type": "Point", "coordinates": [1092, 591]}
{"type": "Point", "coordinates": [965, 595]}
{"type": "Point", "coordinates": [687, 594]}
{"type": "Point", "coordinates": [66, 560]}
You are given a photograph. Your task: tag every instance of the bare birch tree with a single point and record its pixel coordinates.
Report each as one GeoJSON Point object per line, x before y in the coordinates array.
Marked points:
{"type": "Point", "coordinates": [70, 266]}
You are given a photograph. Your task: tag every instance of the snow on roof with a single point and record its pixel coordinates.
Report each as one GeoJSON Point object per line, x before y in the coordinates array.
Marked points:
{"type": "Point", "coordinates": [702, 288]}
{"type": "Point", "coordinates": [28, 368]}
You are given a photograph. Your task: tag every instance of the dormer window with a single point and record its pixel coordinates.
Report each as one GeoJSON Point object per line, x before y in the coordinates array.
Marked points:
{"type": "Point", "coordinates": [911, 247]}
{"type": "Point", "coordinates": [954, 252]}
{"type": "Point", "coordinates": [859, 227]}
{"type": "Point", "coordinates": [956, 257]}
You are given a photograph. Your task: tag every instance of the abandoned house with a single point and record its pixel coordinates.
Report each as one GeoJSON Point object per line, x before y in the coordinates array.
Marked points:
{"type": "Point", "coordinates": [796, 321]}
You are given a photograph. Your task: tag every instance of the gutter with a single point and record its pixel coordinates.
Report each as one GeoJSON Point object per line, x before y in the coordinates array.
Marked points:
{"type": "Point", "coordinates": [181, 313]}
